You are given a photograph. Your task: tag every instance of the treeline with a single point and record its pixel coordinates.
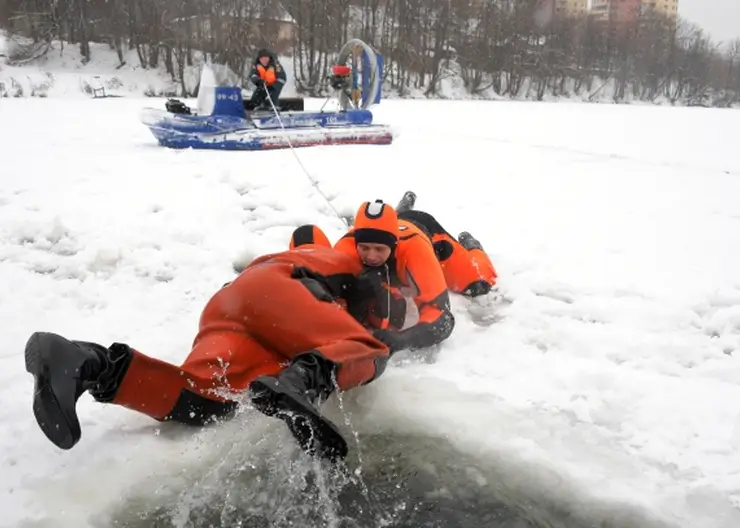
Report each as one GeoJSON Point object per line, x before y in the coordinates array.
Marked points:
{"type": "Point", "coordinates": [515, 48]}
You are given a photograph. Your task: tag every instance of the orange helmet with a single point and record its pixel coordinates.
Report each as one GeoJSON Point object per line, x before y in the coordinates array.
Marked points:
{"type": "Point", "coordinates": [376, 223]}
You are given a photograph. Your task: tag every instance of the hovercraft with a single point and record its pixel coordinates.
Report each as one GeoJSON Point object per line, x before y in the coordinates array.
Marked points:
{"type": "Point", "coordinates": [225, 121]}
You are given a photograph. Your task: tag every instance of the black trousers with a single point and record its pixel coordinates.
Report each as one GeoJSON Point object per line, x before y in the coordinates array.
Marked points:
{"type": "Point", "coordinates": [259, 96]}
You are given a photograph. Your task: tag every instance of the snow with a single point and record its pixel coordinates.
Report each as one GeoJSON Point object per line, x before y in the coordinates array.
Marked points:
{"type": "Point", "coordinates": [608, 387]}
{"type": "Point", "coordinates": [62, 73]}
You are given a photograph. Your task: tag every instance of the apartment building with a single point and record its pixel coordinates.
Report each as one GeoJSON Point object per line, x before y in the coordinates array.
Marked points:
{"type": "Point", "coordinates": [627, 13]}
{"type": "Point", "coordinates": [571, 7]}
{"type": "Point", "coordinates": [668, 8]}
{"type": "Point", "coordinates": [563, 8]}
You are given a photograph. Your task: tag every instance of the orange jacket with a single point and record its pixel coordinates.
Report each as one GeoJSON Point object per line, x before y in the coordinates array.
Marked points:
{"type": "Point", "coordinates": [414, 271]}
{"type": "Point", "coordinates": [267, 74]}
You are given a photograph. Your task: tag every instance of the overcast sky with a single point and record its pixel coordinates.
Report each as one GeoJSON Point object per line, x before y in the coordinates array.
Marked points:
{"type": "Point", "coordinates": [720, 18]}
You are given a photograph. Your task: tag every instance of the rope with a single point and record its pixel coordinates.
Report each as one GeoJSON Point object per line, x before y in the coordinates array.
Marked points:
{"type": "Point", "coordinates": [314, 182]}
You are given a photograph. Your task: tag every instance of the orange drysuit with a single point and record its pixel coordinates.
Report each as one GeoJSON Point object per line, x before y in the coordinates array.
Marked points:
{"type": "Point", "coordinates": [280, 306]}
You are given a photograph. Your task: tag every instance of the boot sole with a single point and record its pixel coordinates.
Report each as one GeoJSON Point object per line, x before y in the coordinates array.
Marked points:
{"type": "Point", "coordinates": [316, 435]}
{"type": "Point", "coordinates": [407, 202]}
{"type": "Point", "coordinates": [46, 407]}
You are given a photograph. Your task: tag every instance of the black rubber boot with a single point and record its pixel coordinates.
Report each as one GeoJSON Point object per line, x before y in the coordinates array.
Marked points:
{"type": "Point", "coordinates": [468, 241]}
{"type": "Point", "coordinates": [63, 370]}
{"type": "Point", "coordinates": [295, 396]}
{"type": "Point", "coordinates": [477, 288]}
{"type": "Point", "coordinates": [407, 202]}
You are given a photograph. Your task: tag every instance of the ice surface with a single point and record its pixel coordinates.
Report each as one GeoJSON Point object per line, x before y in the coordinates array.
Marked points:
{"type": "Point", "coordinates": [606, 388]}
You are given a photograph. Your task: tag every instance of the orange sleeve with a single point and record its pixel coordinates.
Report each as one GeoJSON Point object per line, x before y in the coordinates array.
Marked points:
{"type": "Point", "coordinates": [346, 244]}
{"type": "Point", "coordinates": [419, 268]}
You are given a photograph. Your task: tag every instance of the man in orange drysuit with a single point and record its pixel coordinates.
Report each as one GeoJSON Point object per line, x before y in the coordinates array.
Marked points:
{"type": "Point", "coordinates": [281, 331]}
{"type": "Point", "coordinates": [467, 268]}
{"type": "Point", "coordinates": [399, 259]}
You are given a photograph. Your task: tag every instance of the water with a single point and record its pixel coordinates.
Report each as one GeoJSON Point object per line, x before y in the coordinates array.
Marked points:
{"type": "Point", "coordinates": [404, 481]}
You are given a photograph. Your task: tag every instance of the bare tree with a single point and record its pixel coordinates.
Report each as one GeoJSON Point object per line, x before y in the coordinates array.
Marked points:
{"type": "Point", "coordinates": [514, 47]}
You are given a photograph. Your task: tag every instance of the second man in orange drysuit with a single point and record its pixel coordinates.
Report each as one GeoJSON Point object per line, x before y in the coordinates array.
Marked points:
{"type": "Point", "coordinates": [466, 267]}
{"type": "Point", "coordinates": [281, 331]}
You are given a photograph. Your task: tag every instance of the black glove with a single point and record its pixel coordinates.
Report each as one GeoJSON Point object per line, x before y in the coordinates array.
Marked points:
{"type": "Point", "coordinates": [395, 341]}
{"type": "Point", "coordinates": [256, 80]}
{"type": "Point", "coordinates": [370, 287]}
{"type": "Point", "coordinates": [370, 281]}
{"type": "Point", "coordinates": [313, 283]}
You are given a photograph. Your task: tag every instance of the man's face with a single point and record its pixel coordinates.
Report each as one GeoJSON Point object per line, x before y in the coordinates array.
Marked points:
{"type": "Point", "coordinates": [373, 254]}
{"type": "Point", "coordinates": [264, 61]}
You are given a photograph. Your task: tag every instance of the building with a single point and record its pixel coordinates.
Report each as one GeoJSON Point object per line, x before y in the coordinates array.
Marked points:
{"type": "Point", "coordinates": [668, 8]}
{"type": "Point", "coordinates": [624, 16]}
{"type": "Point", "coordinates": [625, 12]}
{"type": "Point", "coordinates": [276, 27]}
{"type": "Point", "coordinates": [571, 7]}
{"type": "Point", "coordinates": [629, 11]}
{"type": "Point", "coordinates": [547, 11]}
{"type": "Point", "coordinates": [599, 10]}
{"type": "Point", "coordinates": [563, 8]}
{"type": "Point", "coordinates": [622, 12]}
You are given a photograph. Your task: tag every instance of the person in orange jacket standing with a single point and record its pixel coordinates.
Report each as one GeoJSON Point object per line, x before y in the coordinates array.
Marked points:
{"type": "Point", "coordinates": [268, 77]}
{"type": "Point", "coordinates": [281, 332]}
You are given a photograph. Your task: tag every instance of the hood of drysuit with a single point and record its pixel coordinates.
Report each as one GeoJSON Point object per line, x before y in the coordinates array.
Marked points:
{"type": "Point", "coordinates": [376, 223]}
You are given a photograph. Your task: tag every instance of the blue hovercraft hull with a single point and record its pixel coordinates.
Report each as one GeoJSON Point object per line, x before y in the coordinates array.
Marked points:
{"type": "Point", "coordinates": [265, 132]}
